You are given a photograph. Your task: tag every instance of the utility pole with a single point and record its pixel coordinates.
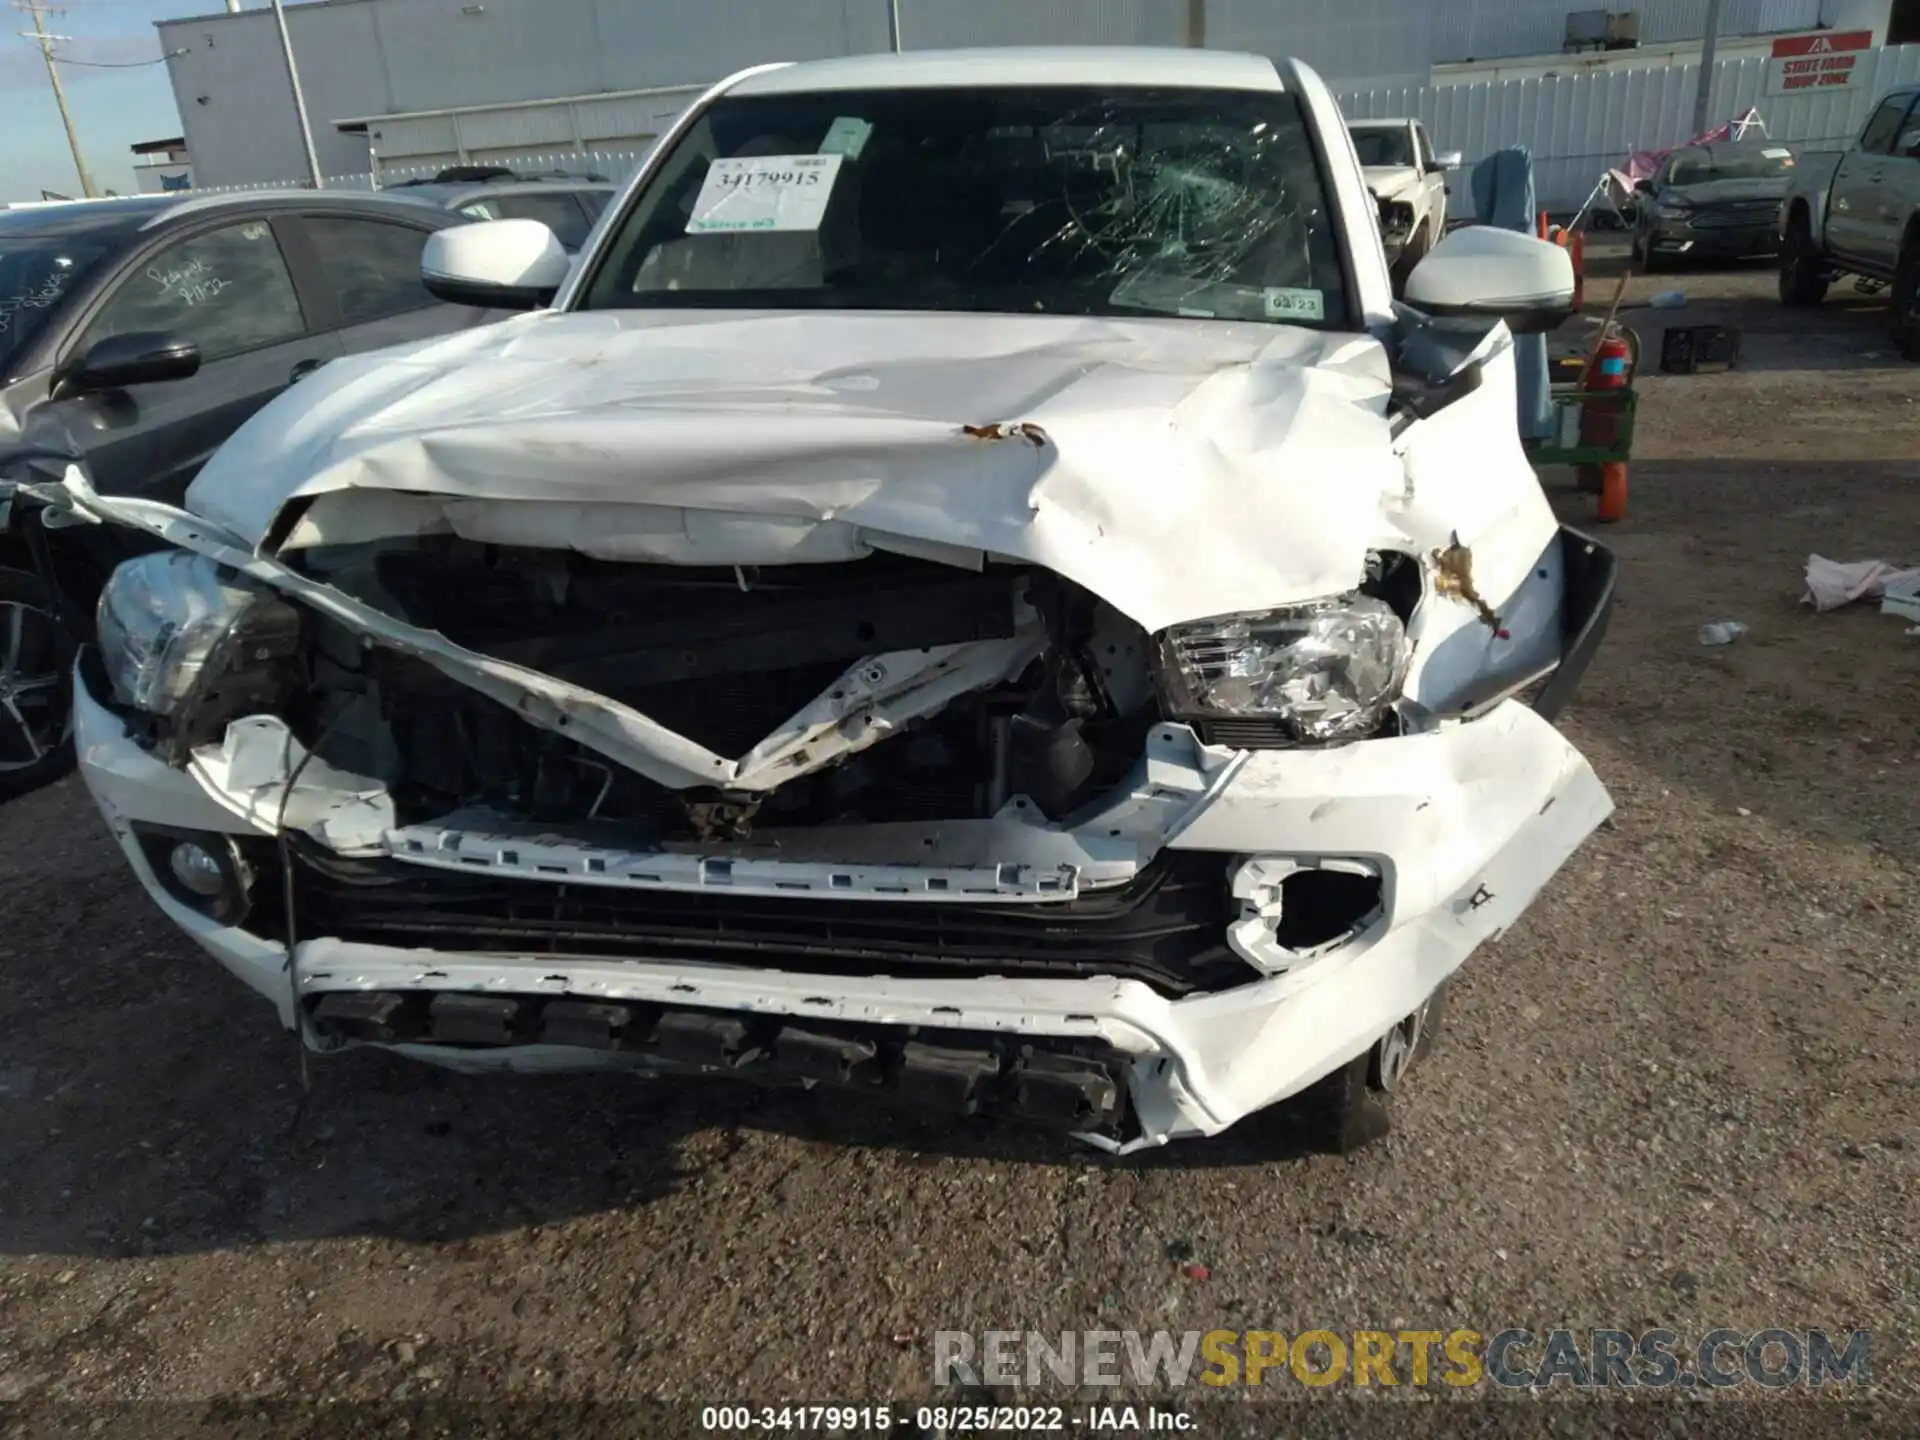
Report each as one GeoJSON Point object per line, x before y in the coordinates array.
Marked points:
{"type": "Point", "coordinates": [1702, 95]}
{"type": "Point", "coordinates": [45, 41]}
{"type": "Point", "coordinates": [1196, 24]}
{"type": "Point", "coordinates": [299, 100]}
{"type": "Point", "coordinates": [893, 25]}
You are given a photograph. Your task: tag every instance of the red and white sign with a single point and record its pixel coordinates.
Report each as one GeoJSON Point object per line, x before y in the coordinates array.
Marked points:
{"type": "Point", "coordinates": [1824, 61]}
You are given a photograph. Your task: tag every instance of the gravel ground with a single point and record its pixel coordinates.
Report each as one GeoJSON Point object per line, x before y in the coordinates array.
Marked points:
{"type": "Point", "coordinates": [1680, 1093]}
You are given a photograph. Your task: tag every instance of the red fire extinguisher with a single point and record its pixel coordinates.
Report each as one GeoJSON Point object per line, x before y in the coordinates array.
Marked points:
{"type": "Point", "coordinates": [1610, 369]}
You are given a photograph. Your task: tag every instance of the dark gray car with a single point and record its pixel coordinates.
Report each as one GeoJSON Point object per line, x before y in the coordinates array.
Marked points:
{"type": "Point", "coordinates": [139, 333]}
{"type": "Point", "coordinates": [1713, 202]}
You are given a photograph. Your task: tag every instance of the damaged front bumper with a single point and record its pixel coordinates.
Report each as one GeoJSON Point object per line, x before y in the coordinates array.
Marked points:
{"type": "Point", "coordinates": [1301, 904]}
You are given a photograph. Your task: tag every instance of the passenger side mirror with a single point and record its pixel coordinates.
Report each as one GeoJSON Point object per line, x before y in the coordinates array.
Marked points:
{"type": "Point", "coordinates": [1481, 272]}
{"type": "Point", "coordinates": [494, 264]}
{"type": "Point", "coordinates": [140, 357]}
{"type": "Point", "coordinates": [1448, 160]}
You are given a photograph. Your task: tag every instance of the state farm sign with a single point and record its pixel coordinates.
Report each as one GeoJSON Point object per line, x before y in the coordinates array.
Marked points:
{"type": "Point", "coordinates": [1825, 61]}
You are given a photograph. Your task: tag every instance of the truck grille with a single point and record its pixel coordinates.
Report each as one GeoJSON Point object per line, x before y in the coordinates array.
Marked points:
{"type": "Point", "coordinates": [1744, 214]}
{"type": "Point", "coordinates": [1166, 929]}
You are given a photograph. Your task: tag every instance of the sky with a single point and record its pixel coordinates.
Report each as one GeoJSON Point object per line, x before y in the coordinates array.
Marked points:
{"type": "Point", "coordinates": [112, 108]}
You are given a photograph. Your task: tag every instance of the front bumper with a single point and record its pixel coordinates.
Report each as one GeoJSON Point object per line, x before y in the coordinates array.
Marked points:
{"type": "Point", "coordinates": [1463, 826]}
{"type": "Point", "coordinates": [1680, 240]}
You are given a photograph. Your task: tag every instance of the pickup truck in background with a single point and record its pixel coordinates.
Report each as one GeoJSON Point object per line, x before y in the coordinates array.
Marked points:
{"type": "Point", "coordinates": [1857, 211]}
{"type": "Point", "coordinates": [1410, 183]}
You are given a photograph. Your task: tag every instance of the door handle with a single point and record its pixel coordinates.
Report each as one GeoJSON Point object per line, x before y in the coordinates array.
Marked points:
{"type": "Point", "coordinates": [303, 369]}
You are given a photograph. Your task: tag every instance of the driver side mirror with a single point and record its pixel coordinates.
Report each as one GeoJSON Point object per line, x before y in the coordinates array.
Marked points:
{"type": "Point", "coordinates": [1448, 160]}
{"type": "Point", "coordinates": [141, 357]}
{"type": "Point", "coordinates": [495, 265]}
{"type": "Point", "coordinates": [1483, 273]}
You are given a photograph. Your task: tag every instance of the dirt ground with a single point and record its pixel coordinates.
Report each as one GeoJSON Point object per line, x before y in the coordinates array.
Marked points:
{"type": "Point", "coordinates": [1682, 1092]}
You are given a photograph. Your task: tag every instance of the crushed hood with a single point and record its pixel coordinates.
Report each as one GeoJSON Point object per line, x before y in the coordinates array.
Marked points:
{"type": "Point", "coordinates": [1391, 182]}
{"type": "Point", "coordinates": [1176, 469]}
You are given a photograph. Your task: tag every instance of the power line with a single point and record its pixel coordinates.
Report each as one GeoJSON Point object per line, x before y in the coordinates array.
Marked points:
{"type": "Point", "coordinates": [40, 36]}
{"type": "Point", "coordinates": [119, 64]}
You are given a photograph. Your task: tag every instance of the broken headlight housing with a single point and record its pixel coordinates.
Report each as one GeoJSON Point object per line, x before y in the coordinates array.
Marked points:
{"type": "Point", "coordinates": [1327, 670]}
{"type": "Point", "coordinates": [170, 619]}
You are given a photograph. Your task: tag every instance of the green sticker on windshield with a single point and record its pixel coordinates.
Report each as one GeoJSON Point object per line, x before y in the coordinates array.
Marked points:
{"type": "Point", "coordinates": [1284, 304]}
{"type": "Point", "coordinates": [846, 136]}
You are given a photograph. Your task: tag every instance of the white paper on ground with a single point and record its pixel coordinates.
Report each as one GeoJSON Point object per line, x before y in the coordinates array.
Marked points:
{"type": "Point", "coordinates": [1834, 583]}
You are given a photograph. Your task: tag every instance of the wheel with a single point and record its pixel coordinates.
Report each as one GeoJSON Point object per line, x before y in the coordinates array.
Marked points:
{"type": "Point", "coordinates": [1803, 280]}
{"type": "Point", "coordinates": [36, 696]}
{"type": "Point", "coordinates": [1347, 1110]}
{"type": "Point", "coordinates": [1904, 301]}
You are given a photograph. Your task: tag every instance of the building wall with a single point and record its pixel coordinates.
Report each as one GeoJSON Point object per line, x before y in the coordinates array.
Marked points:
{"type": "Point", "coordinates": [236, 106]}
{"type": "Point", "coordinates": [363, 58]}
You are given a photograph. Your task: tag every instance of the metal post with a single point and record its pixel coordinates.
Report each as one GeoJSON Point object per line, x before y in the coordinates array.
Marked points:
{"type": "Point", "coordinates": [1196, 24]}
{"type": "Point", "coordinates": [299, 100]}
{"type": "Point", "coordinates": [45, 42]}
{"type": "Point", "coordinates": [1702, 95]}
{"type": "Point", "coordinates": [893, 25]}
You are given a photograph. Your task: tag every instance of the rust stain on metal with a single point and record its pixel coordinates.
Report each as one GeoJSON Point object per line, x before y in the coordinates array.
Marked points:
{"type": "Point", "coordinates": [1453, 576]}
{"type": "Point", "coordinates": [1002, 430]}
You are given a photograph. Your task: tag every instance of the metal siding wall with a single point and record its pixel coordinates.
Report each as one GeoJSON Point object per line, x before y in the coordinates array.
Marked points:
{"type": "Point", "coordinates": [1348, 40]}
{"type": "Point", "coordinates": [615, 121]}
{"type": "Point", "coordinates": [642, 45]}
{"type": "Point", "coordinates": [246, 132]}
{"type": "Point", "coordinates": [945, 25]}
{"type": "Point", "coordinates": [401, 140]}
{"type": "Point", "coordinates": [1578, 126]}
{"type": "Point", "coordinates": [439, 57]}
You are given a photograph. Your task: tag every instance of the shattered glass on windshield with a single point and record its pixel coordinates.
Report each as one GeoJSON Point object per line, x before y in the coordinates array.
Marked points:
{"type": "Point", "coordinates": [1059, 200]}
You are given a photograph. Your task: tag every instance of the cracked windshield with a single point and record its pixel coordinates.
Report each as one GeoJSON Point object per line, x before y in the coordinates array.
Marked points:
{"type": "Point", "coordinates": [1202, 203]}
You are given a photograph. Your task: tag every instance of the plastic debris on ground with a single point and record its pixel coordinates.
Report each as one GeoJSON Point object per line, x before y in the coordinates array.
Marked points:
{"type": "Point", "coordinates": [1668, 300]}
{"type": "Point", "coordinates": [1834, 583]}
{"type": "Point", "coordinates": [1721, 632]}
{"type": "Point", "coordinates": [1900, 596]}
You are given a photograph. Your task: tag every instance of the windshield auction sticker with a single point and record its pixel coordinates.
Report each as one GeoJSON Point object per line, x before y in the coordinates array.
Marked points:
{"type": "Point", "coordinates": [765, 192]}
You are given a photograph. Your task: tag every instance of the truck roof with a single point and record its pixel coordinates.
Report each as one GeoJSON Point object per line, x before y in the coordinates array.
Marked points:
{"type": "Point", "coordinates": [1018, 65]}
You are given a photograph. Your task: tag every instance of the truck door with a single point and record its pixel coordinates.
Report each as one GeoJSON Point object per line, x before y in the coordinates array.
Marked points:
{"type": "Point", "coordinates": [1857, 205]}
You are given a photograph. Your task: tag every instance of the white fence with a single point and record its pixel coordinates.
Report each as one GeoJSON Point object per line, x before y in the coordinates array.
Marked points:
{"type": "Point", "coordinates": [615, 165]}
{"type": "Point", "coordinates": [1578, 125]}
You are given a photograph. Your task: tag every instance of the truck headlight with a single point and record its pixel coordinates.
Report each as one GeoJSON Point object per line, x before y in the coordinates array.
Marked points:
{"type": "Point", "coordinates": [162, 618]}
{"type": "Point", "coordinates": [1672, 210]}
{"type": "Point", "coordinates": [1327, 669]}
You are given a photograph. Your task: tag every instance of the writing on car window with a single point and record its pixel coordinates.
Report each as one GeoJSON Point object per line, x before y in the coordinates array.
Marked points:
{"type": "Point", "coordinates": [227, 291]}
{"type": "Point", "coordinates": [37, 274]}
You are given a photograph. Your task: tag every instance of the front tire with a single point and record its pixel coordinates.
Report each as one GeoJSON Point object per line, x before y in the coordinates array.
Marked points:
{"type": "Point", "coordinates": [36, 686]}
{"type": "Point", "coordinates": [1803, 281]}
{"type": "Point", "coordinates": [1348, 1109]}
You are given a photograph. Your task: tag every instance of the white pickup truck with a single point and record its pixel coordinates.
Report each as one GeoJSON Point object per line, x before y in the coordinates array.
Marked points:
{"type": "Point", "coordinates": [968, 590]}
{"type": "Point", "coordinates": [1857, 212]}
{"type": "Point", "coordinates": [1410, 182]}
